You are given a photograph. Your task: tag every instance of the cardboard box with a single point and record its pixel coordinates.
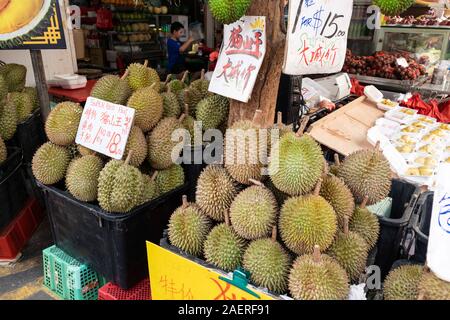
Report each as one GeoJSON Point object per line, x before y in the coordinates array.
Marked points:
{"type": "Point", "coordinates": [345, 130]}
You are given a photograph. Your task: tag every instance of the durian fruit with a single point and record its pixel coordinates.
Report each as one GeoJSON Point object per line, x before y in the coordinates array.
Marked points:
{"type": "Point", "coordinates": [15, 76]}
{"type": "Point", "coordinates": [50, 163]}
{"type": "Point", "coordinates": [176, 85]}
{"type": "Point", "coordinates": [433, 288]}
{"type": "Point", "coordinates": [242, 150]}
{"type": "Point", "coordinates": [140, 76]}
{"type": "Point", "coordinates": [253, 212]}
{"type": "Point", "coordinates": [160, 144]}
{"type": "Point", "coordinates": [296, 163]}
{"type": "Point", "coordinates": [318, 277]}
{"type": "Point", "coordinates": [148, 104]}
{"type": "Point", "coordinates": [367, 173]}
{"type": "Point", "coordinates": [307, 221]}
{"type": "Point", "coordinates": [351, 251]}
{"type": "Point", "coordinates": [366, 224]}
{"type": "Point", "coordinates": [189, 124]}
{"type": "Point", "coordinates": [120, 187]}
{"type": "Point", "coordinates": [339, 196]}
{"type": "Point", "coordinates": [201, 85]}
{"type": "Point", "coordinates": [83, 151]}
{"type": "Point", "coordinates": [3, 151]}
{"type": "Point", "coordinates": [279, 195]}
{"type": "Point", "coordinates": [190, 97]}
{"type": "Point", "coordinates": [268, 263]}
{"type": "Point", "coordinates": [82, 177]}
{"type": "Point", "coordinates": [151, 191]}
{"type": "Point", "coordinates": [8, 120]}
{"type": "Point", "coordinates": [393, 7]}
{"type": "Point", "coordinates": [215, 192]}
{"type": "Point", "coordinates": [171, 105]}
{"type": "Point", "coordinates": [3, 89]}
{"type": "Point", "coordinates": [227, 12]}
{"type": "Point", "coordinates": [402, 283]}
{"type": "Point", "coordinates": [24, 105]}
{"type": "Point", "coordinates": [113, 89]}
{"type": "Point", "coordinates": [213, 111]}
{"type": "Point", "coordinates": [334, 169]}
{"type": "Point", "coordinates": [63, 122]}
{"type": "Point", "coordinates": [188, 228]}
{"type": "Point", "coordinates": [163, 85]}
{"type": "Point", "coordinates": [170, 179]}
{"type": "Point", "coordinates": [33, 94]}
{"type": "Point", "coordinates": [223, 247]}
{"type": "Point", "coordinates": [137, 143]}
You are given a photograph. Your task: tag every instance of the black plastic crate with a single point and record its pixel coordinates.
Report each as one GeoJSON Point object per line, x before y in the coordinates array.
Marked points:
{"type": "Point", "coordinates": [193, 170]}
{"type": "Point", "coordinates": [30, 135]}
{"type": "Point", "coordinates": [404, 198]}
{"type": "Point", "coordinates": [421, 226]}
{"type": "Point", "coordinates": [113, 244]}
{"type": "Point", "coordinates": [33, 189]}
{"type": "Point", "coordinates": [13, 193]}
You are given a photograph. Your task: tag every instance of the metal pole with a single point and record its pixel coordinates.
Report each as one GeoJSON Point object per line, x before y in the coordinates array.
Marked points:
{"type": "Point", "coordinates": [41, 82]}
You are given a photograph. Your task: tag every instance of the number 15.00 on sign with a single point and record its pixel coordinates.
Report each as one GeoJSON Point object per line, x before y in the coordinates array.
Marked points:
{"type": "Point", "coordinates": [317, 36]}
{"type": "Point", "coordinates": [105, 127]}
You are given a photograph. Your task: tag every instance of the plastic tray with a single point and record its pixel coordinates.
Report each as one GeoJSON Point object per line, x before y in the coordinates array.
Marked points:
{"type": "Point", "coordinates": [114, 245]}
{"type": "Point", "coordinates": [13, 193]}
{"type": "Point", "coordinates": [141, 291]}
{"type": "Point", "coordinates": [404, 198]}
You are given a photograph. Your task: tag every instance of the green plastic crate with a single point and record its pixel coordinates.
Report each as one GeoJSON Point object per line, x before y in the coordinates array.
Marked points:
{"type": "Point", "coordinates": [68, 278]}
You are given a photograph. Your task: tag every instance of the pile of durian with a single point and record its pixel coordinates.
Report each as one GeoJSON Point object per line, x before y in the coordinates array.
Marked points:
{"type": "Point", "coordinates": [304, 231]}
{"type": "Point", "coordinates": [17, 102]}
{"type": "Point", "coordinates": [121, 186]}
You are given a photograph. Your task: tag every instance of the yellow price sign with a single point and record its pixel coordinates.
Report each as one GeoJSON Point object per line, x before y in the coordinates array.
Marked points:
{"type": "Point", "coordinates": [173, 277]}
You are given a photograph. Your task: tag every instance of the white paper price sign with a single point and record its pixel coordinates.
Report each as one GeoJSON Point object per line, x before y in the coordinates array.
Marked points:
{"type": "Point", "coordinates": [438, 255]}
{"type": "Point", "coordinates": [105, 127]}
{"type": "Point", "coordinates": [240, 58]}
{"type": "Point", "coordinates": [317, 36]}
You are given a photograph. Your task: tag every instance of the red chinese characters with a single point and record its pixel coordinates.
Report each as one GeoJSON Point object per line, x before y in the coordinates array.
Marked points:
{"type": "Point", "coordinates": [318, 55]}
{"type": "Point", "coordinates": [250, 46]}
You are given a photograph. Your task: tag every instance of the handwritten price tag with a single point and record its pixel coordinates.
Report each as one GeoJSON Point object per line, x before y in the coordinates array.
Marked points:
{"type": "Point", "coordinates": [105, 127]}
{"type": "Point", "coordinates": [240, 58]}
{"type": "Point", "coordinates": [317, 36]}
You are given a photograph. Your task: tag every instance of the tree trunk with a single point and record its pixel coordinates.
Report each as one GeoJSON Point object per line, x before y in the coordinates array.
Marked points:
{"type": "Point", "coordinates": [265, 92]}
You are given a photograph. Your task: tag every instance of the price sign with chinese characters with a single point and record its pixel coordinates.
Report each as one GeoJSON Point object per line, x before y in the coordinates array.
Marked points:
{"type": "Point", "coordinates": [438, 257]}
{"type": "Point", "coordinates": [173, 277]}
{"type": "Point", "coordinates": [240, 59]}
{"type": "Point", "coordinates": [105, 127]}
{"type": "Point", "coordinates": [317, 36]}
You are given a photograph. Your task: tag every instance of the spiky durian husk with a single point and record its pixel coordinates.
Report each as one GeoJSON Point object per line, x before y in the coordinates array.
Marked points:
{"type": "Point", "coordinates": [3, 89]}
{"type": "Point", "coordinates": [393, 7]}
{"type": "Point", "coordinates": [307, 221]}
{"type": "Point", "coordinates": [188, 229]}
{"type": "Point", "coordinates": [201, 85]}
{"type": "Point", "coordinates": [160, 144]}
{"type": "Point", "coordinates": [15, 76]}
{"type": "Point", "coordinates": [224, 248]}
{"type": "Point", "coordinates": [366, 224]}
{"type": "Point", "coordinates": [149, 108]}
{"type": "Point", "coordinates": [171, 105]}
{"type": "Point", "coordinates": [63, 122]}
{"type": "Point", "coordinates": [253, 213]}
{"type": "Point", "coordinates": [138, 144]}
{"type": "Point", "coordinates": [324, 280]}
{"type": "Point", "coordinates": [24, 105]}
{"type": "Point", "coordinates": [227, 12]}
{"type": "Point", "coordinates": [176, 86]}
{"type": "Point", "coordinates": [140, 77]}
{"type": "Point", "coordinates": [350, 251]}
{"type": "Point", "coordinates": [170, 179]}
{"type": "Point", "coordinates": [3, 151]}
{"type": "Point", "coordinates": [113, 89]}
{"type": "Point", "coordinates": [213, 111]}
{"type": "Point", "coordinates": [33, 94]}
{"type": "Point", "coordinates": [296, 164]}
{"type": "Point", "coordinates": [367, 173]}
{"type": "Point", "coordinates": [215, 192]}
{"type": "Point", "coordinates": [402, 283]}
{"type": "Point", "coordinates": [50, 163]}
{"type": "Point", "coordinates": [269, 264]}
{"type": "Point", "coordinates": [82, 177]}
{"type": "Point", "coordinates": [8, 120]}
{"type": "Point", "coordinates": [151, 191]}
{"type": "Point", "coordinates": [433, 288]}
{"type": "Point", "coordinates": [339, 196]}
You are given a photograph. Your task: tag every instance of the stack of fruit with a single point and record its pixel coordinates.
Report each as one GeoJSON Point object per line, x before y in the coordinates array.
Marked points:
{"type": "Point", "coordinates": [17, 102]}
{"type": "Point", "coordinates": [121, 186]}
{"type": "Point", "coordinates": [305, 231]}
{"type": "Point", "coordinates": [384, 65]}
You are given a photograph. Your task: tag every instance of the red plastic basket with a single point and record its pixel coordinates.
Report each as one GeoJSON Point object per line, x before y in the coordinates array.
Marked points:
{"type": "Point", "coordinates": [141, 291]}
{"type": "Point", "coordinates": [16, 235]}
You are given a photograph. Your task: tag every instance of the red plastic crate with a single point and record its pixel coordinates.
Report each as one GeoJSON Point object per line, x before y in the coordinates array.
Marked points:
{"type": "Point", "coordinates": [16, 235]}
{"type": "Point", "coordinates": [141, 291]}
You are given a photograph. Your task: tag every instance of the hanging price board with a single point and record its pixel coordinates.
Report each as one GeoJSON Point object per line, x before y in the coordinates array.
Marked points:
{"type": "Point", "coordinates": [317, 36]}
{"type": "Point", "coordinates": [240, 59]}
{"type": "Point", "coordinates": [105, 127]}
